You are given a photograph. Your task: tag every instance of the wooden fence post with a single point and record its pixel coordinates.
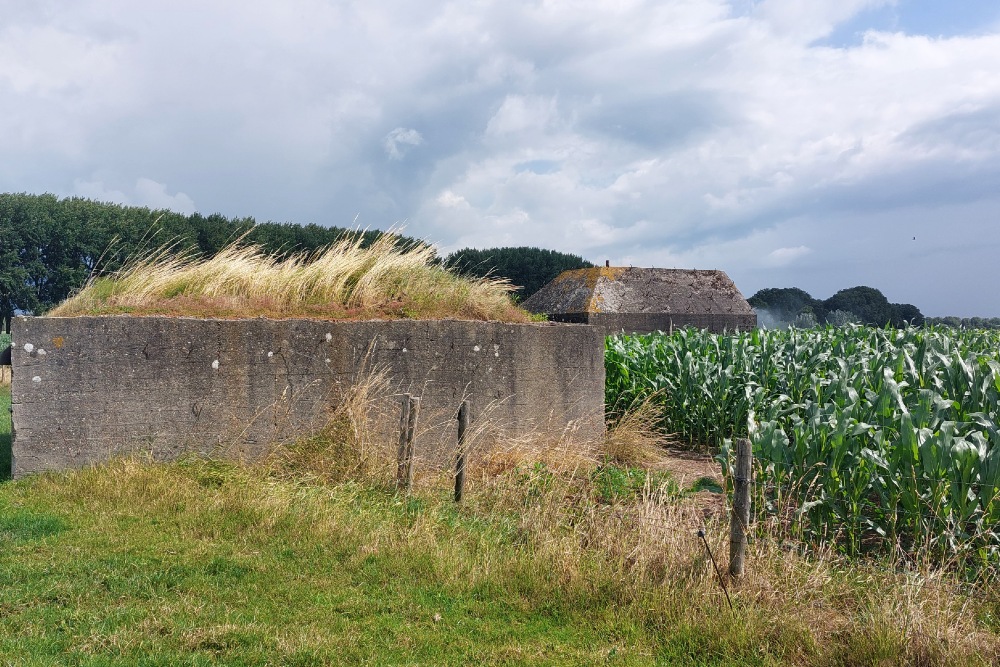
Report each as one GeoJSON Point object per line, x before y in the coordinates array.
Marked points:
{"type": "Point", "coordinates": [740, 520]}
{"type": "Point", "coordinates": [404, 454]}
{"type": "Point", "coordinates": [463, 427]}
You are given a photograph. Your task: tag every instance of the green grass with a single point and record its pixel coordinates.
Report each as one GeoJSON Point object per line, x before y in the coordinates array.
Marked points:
{"type": "Point", "coordinates": [201, 563]}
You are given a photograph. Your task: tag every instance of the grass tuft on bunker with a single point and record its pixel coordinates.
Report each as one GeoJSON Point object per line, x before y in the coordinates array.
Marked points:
{"type": "Point", "coordinates": [384, 280]}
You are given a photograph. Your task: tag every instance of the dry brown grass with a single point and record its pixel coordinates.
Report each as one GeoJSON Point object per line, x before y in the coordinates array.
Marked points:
{"type": "Point", "coordinates": [635, 437]}
{"type": "Point", "coordinates": [834, 610]}
{"type": "Point", "coordinates": [838, 610]}
{"type": "Point", "coordinates": [347, 447]}
{"type": "Point", "coordinates": [344, 281]}
{"type": "Point", "coordinates": [829, 609]}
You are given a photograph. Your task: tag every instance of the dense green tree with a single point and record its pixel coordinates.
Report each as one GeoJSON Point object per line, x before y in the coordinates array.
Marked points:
{"type": "Point", "coordinates": [855, 304]}
{"type": "Point", "coordinates": [905, 313]}
{"type": "Point", "coordinates": [287, 238]}
{"type": "Point", "coordinates": [527, 268]}
{"type": "Point", "coordinates": [965, 322]}
{"type": "Point", "coordinates": [786, 303]}
{"type": "Point", "coordinates": [868, 303]}
{"type": "Point", "coordinates": [839, 318]}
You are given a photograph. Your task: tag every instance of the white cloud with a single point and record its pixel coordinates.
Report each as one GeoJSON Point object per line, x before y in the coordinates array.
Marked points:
{"type": "Point", "coordinates": [808, 20]}
{"type": "Point", "coordinates": [400, 140]}
{"type": "Point", "coordinates": [96, 189]}
{"type": "Point", "coordinates": [669, 132]}
{"type": "Point", "coordinates": [449, 199]}
{"type": "Point", "coordinates": [154, 195]}
{"type": "Point", "coordinates": [786, 256]}
{"type": "Point", "coordinates": [146, 192]}
{"type": "Point", "coordinates": [519, 114]}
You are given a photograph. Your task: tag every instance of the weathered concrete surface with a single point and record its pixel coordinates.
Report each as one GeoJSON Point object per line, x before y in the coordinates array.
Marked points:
{"type": "Point", "coordinates": [643, 323]}
{"type": "Point", "coordinates": [639, 300]}
{"type": "Point", "coordinates": [85, 389]}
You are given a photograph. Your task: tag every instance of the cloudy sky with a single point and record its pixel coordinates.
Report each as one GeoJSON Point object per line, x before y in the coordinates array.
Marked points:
{"type": "Point", "coordinates": [812, 143]}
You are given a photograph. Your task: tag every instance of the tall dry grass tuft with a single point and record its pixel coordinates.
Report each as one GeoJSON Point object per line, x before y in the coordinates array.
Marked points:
{"type": "Point", "coordinates": [496, 453]}
{"type": "Point", "coordinates": [343, 281]}
{"type": "Point", "coordinates": [347, 447]}
{"type": "Point", "coordinates": [635, 438]}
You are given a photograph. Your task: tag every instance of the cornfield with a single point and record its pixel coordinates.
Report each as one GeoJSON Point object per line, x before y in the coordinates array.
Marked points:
{"type": "Point", "coordinates": [868, 439]}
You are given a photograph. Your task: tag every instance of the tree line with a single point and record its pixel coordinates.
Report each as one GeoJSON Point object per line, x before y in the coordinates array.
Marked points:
{"type": "Point", "coordinates": [50, 246]}
{"type": "Point", "coordinates": [528, 269]}
{"type": "Point", "coordinates": [964, 322]}
{"type": "Point", "coordinates": [863, 305]}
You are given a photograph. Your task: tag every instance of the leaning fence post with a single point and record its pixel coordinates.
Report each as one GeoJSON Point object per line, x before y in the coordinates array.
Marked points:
{"type": "Point", "coordinates": [404, 454]}
{"type": "Point", "coordinates": [740, 520]}
{"type": "Point", "coordinates": [463, 427]}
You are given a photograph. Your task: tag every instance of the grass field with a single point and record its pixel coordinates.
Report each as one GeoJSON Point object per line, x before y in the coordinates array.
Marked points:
{"type": "Point", "coordinates": [201, 563]}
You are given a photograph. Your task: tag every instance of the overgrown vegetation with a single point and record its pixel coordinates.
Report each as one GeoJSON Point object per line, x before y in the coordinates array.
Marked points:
{"type": "Point", "coordinates": [551, 559]}
{"type": "Point", "coordinates": [49, 246]}
{"type": "Point", "coordinates": [348, 280]}
{"type": "Point", "coordinates": [866, 439]}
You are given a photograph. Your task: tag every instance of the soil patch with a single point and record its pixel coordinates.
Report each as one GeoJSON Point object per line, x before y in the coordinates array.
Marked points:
{"type": "Point", "coordinates": [690, 468]}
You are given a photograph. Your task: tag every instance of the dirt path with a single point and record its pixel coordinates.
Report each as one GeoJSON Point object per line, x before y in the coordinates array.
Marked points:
{"type": "Point", "coordinates": [687, 467]}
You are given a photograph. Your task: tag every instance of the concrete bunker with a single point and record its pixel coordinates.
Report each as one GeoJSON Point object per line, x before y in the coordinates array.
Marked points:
{"type": "Point", "coordinates": [639, 300]}
{"type": "Point", "coordinates": [86, 389]}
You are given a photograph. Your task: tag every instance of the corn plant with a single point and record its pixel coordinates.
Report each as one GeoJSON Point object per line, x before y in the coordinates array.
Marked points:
{"type": "Point", "coordinates": [866, 438]}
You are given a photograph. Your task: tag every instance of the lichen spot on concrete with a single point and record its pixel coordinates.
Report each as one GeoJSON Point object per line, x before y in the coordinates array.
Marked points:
{"type": "Point", "coordinates": [404, 350]}
{"type": "Point", "coordinates": [496, 350]}
{"type": "Point", "coordinates": [328, 360]}
{"type": "Point", "coordinates": [41, 352]}
{"type": "Point", "coordinates": [329, 337]}
{"type": "Point", "coordinates": [36, 379]}
{"type": "Point", "coordinates": [215, 364]}
{"type": "Point", "coordinates": [28, 347]}
{"type": "Point", "coordinates": [58, 342]}
{"type": "Point", "coordinates": [475, 349]}
{"type": "Point", "coordinates": [270, 354]}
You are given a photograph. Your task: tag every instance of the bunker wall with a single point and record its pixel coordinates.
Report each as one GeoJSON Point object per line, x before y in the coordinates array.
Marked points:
{"type": "Point", "coordinates": [643, 323]}
{"type": "Point", "coordinates": [86, 389]}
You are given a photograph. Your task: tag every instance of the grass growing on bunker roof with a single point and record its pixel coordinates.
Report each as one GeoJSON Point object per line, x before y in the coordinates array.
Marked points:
{"type": "Point", "coordinates": [343, 281]}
